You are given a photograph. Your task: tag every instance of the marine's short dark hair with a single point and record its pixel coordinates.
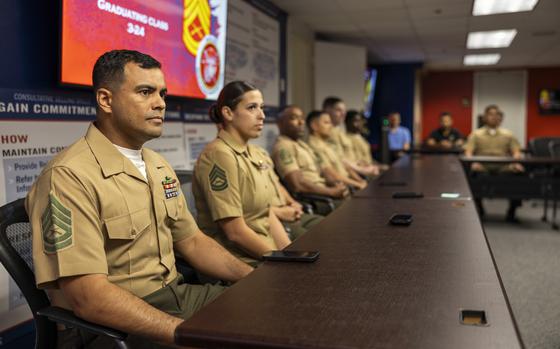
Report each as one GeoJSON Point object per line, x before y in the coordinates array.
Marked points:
{"type": "Point", "coordinates": [331, 101]}
{"type": "Point", "coordinates": [108, 70]}
{"type": "Point", "coordinates": [350, 116]}
{"type": "Point", "coordinates": [444, 113]}
{"type": "Point", "coordinates": [491, 106]}
{"type": "Point", "coordinates": [313, 115]}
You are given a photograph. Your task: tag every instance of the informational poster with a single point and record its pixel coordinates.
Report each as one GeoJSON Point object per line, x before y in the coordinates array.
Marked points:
{"type": "Point", "coordinates": [253, 49]}
{"type": "Point", "coordinates": [171, 144]}
{"type": "Point", "coordinates": [34, 127]}
{"type": "Point", "coordinates": [199, 131]}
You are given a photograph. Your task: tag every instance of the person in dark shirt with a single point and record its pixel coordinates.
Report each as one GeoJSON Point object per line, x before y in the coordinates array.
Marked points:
{"type": "Point", "coordinates": [445, 136]}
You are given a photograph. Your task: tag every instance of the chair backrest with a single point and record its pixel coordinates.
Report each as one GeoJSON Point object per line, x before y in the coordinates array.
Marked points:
{"type": "Point", "coordinates": [185, 178]}
{"type": "Point", "coordinates": [16, 257]}
{"type": "Point", "coordinates": [554, 147]}
{"type": "Point", "coordinates": [539, 146]}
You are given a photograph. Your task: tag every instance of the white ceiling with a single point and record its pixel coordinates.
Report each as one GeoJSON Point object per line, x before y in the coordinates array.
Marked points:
{"type": "Point", "coordinates": [430, 31]}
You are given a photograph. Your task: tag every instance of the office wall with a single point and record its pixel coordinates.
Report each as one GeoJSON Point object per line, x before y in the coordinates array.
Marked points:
{"type": "Point", "coordinates": [339, 71]}
{"type": "Point", "coordinates": [453, 91]}
{"type": "Point", "coordinates": [541, 125]}
{"type": "Point", "coordinates": [508, 90]}
{"type": "Point", "coordinates": [450, 92]}
{"type": "Point", "coordinates": [300, 54]}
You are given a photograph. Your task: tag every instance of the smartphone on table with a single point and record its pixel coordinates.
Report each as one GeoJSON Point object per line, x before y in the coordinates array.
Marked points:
{"type": "Point", "coordinates": [291, 256]}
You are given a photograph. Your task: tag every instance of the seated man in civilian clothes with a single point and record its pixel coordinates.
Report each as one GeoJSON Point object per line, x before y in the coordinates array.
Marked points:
{"type": "Point", "coordinates": [107, 214]}
{"type": "Point", "coordinates": [399, 137]}
{"type": "Point", "coordinates": [339, 141]}
{"type": "Point", "coordinates": [319, 126]}
{"type": "Point", "coordinates": [445, 136]}
{"type": "Point", "coordinates": [492, 140]}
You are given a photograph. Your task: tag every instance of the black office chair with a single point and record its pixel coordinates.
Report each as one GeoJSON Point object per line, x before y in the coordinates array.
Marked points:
{"type": "Point", "coordinates": [16, 257]}
{"type": "Point", "coordinates": [185, 178]}
{"type": "Point", "coordinates": [310, 202]}
{"type": "Point", "coordinates": [538, 147]}
{"type": "Point", "coordinates": [554, 148]}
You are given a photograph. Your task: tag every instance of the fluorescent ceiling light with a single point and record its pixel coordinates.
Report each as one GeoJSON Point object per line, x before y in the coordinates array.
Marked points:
{"type": "Point", "coordinates": [483, 59]}
{"type": "Point", "coordinates": [491, 39]}
{"type": "Point", "coordinates": [490, 7]}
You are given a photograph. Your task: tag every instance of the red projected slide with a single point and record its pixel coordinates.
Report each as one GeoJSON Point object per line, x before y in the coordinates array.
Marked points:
{"type": "Point", "coordinates": [187, 36]}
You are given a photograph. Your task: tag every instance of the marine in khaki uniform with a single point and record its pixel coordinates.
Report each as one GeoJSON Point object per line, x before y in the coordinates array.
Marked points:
{"type": "Point", "coordinates": [355, 129]}
{"type": "Point", "coordinates": [107, 215]}
{"type": "Point", "coordinates": [492, 140]}
{"type": "Point", "coordinates": [232, 184]}
{"type": "Point", "coordinates": [297, 164]}
{"type": "Point", "coordinates": [361, 148]}
{"type": "Point", "coordinates": [340, 142]}
{"type": "Point", "coordinates": [319, 126]}
{"type": "Point", "coordinates": [286, 208]}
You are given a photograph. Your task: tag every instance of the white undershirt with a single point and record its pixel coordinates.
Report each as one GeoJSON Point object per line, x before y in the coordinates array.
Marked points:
{"type": "Point", "coordinates": [135, 156]}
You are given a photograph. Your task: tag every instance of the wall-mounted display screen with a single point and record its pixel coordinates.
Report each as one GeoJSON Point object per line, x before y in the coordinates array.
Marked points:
{"type": "Point", "coordinates": [187, 36]}
{"type": "Point", "coordinates": [369, 91]}
{"type": "Point", "coordinates": [549, 101]}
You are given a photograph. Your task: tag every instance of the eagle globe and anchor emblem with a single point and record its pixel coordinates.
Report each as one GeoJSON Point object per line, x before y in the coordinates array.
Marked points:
{"type": "Point", "coordinates": [202, 44]}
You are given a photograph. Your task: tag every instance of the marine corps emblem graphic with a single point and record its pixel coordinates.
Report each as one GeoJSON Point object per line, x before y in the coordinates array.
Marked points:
{"type": "Point", "coordinates": [208, 65]}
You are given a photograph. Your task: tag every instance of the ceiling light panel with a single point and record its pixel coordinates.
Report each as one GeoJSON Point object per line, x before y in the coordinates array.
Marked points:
{"type": "Point", "coordinates": [482, 59]}
{"type": "Point", "coordinates": [491, 7]}
{"type": "Point", "coordinates": [491, 39]}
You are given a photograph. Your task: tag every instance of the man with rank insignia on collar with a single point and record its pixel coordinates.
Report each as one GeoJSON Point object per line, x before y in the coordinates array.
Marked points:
{"type": "Point", "coordinates": [108, 214]}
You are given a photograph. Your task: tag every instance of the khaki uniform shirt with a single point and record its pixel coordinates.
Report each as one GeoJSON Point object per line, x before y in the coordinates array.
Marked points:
{"type": "Point", "coordinates": [326, 154]}
{"type": "Point", "coordinates": [232, 180]}
{"type": "Point", "coordinates": [498, 142]}
{"type": "Point", "coordinates": [92, 212]}
{"type": "Point", "coordinates": [361, 148]}
{"type": "Point", "coordinates": [341, 144]}
{"type": "Point", "coordinates": [277, 198]}
{"type": "Point", "coordinates": [290, 156]}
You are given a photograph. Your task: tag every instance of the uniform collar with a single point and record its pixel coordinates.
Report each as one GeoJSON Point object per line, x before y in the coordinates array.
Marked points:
{"type": "Point", "coordinates": [286, 138]}
{"type": "Point", "coordinates": [489, 130]}
{"type": "Point", "coordinates": [110, 159]}
{"type": "Point", "coordinates": [316, 138]}
{"type": "Point", "coordinates": [231, 142]}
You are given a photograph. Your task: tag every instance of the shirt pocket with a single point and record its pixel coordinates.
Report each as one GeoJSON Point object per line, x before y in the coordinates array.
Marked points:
{"type": "Point", "coordinates": [128, 226]}
{"type": "Point", "coordinates": [172, 208]}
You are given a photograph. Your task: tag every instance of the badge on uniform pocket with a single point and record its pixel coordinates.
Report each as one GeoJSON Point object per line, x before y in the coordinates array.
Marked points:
{"type": "Point", "coordinates": [170, 187]}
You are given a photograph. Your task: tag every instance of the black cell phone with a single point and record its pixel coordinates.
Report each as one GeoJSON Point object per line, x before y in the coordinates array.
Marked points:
{"type": "Point", "coordinates": [407, 195]}
{"type": "Point", "coordinates": [291, 256]}
{"type": "Point", "coordinates": [401, 219]}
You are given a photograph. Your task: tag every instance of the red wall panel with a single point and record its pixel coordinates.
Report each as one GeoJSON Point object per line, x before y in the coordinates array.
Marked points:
{"type": "Point", "coordinates": [447, 91]}
{"type": "Point", "coordinates": [541, 125]}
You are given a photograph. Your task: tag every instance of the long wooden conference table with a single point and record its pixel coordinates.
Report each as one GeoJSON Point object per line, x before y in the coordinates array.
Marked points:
{"type": "Point", "coordinates": [432, 284]}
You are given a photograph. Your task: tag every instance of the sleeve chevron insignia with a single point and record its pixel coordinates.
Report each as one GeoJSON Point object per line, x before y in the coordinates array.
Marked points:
{"type": "Point", "coordinates": [56, 225]}
{"type": "Point", "coordinates": [218, 178]}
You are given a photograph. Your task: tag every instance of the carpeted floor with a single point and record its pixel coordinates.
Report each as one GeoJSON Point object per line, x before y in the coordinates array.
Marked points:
{"type": "Point", "coordinates": [528, 259]}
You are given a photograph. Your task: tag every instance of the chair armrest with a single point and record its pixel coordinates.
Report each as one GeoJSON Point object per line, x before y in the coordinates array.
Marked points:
{"type": "Point", "coordinates": [67, 318]}
{"type": "Point", "coordinates": [314, 197]}
{"type": "Point", "coordinates": [307, 207]}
